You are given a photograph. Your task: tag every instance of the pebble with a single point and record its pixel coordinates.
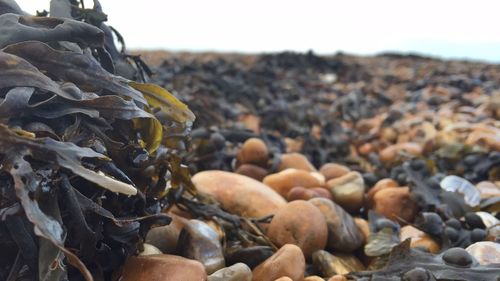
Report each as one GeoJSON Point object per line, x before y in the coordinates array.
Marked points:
{"type": "Point", "coordinates": [398, 151]}
{"type": "Point", "coordinates": [236, 272]}
{"type": "Point", "coordinates": [285, 180]}
{"type": "Point", "coordinates": [488, 189]}
{"type": "Point", "coordinates": [252, 171]}
{"type": "Point", "coordinates": [485, 252]}
{"type": "Point", "coordinates": [394, 202]}
{"type": "Point", "coordinates": [162, 268]}
{"type": "Point", "coordinates": [299, 223]}
{"type": "Point", "coordinates": [364, 227]}
{"type": "Point", "coordinates": [284, 278]}
{"type": "Point", "coordinates": [239, 194]}
{"type": "Point", "coordinates": [296, 161]}
{"type": "Point", "coordinates": [333, 170]}
{"type": "Point", "coordinates": [419, 239]}
{"type": "Point", "coordinates": [302, 193]}
{"type": "Point", "coordinates": [253, 151]}
{"type": "Point", "coordinates": [313, 278]}
{"type": "Point", "coordinates": [337, 278]}
{"type": "Point", "coordinates": [200, 242]}
{"type": "Point", "coordinates": [149, 250]}
{"type": "Point", "coordinates": [381, 184]}
{"type": "Point", "coordinates": [343, 233]}
{"type": "Point", "coordinates": [288, 261]}
{"type": "Point", "coordinates": [348, 191]}
{"type": "Point", "coordinates": [251, 256]}
{"type": "Point", "coordinates": [331, 264]}
{"type": "Point", "coordinates": [164, 237]}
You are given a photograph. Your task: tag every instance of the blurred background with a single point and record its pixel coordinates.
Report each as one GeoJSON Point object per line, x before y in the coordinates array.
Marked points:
{"type": "Point", "coordinates": [444, 29]}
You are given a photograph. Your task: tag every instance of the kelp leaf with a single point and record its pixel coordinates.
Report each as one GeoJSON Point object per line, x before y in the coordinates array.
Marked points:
{"type": "Point", "coordinates": [158, 97]}
{"type": "Point", "coordinates": [67, 155]}
{"type": "Point", "coordinates": [151, 132]}
{"type": "Point", "coordinates": [16, 28]}
{"type": "Point", "coordinates": [82, 70]}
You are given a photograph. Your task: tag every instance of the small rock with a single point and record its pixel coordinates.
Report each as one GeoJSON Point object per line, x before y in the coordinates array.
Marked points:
{"type": "Point", "coordinates": [399, 151]}
{"type": "Point", "coordinates": [381, 184]}
{"type": "Point", "coordinates": [162, 268]}
{"type": "Point", "coordinates": [302, 193]}
{"type": "Point", "coordinates": [165, 237]}
{"type": "Point", "coordinates": [485, 252]}
{"type": "Point", "coordinates": [394, 202]}
{"type": "Point", "coordinates": [200, 242]}
{"type": "Point", "coordinates": [343, 233]}
{"type": "Point", "coordinates": [251, 256]}
{"type": "Point", "coordinates": [149, 250]}
{"type": "Point", "coordinates": [285, 180]}
{"type": "Point", "coordinates": [488, 189]}
{"type": "Point", "coordinates": [295, 161]}
{"type": "Point", "coordinates": [284, 278]}
{"type": "Point", "coordinates": [239, 194]}
{"type": "Point", "coordinates": [348, 191]}
{"type": "Point", "coordinates": [364, 227]}
{"type": "Point", "coordinates": [313, 278]}
{"type": "Point", "coordinates": [236, 272]}
{"type": "Point", "coordinates": [252, 171]}
{"type": "Point", "coordinates": [333, 170]}
{"type": "Point", "coordinates": [253, 151]}
{"type": "Point", "coordinates": [287, 261]}
{"type": "Point", "coordinates": [337, 278]}
{"type": "Point", "coordinates": [419, 239]}
{"type": "Point", "coordinates": [299, 223]}
{"type": "Point", "coordinates": [331, 264]}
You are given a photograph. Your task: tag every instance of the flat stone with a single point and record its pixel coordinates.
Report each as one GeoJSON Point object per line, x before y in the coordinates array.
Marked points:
{"type": "Point", "coordinates": [236, 272]}
{"type": "Point", "coordinates": [239, 194]}
{"type": "Point", "coordinates": [200, 242]}
{"type": "Point", "coordinates": [287, 261]}
{"type": "Point", "coordinates": [162, 268]}
{"type": "Point", "coordinates": [343, 233]}
{"type": "Point", "coordinates": [299, 223]}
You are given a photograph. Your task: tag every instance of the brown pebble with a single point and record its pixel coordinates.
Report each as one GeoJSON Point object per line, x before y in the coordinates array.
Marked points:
{"type": "Point", "coordinates": [299, 223]}
{"type": "Point", "coordinates": [284, 278]}
{"type": "Point", "coordinates": [364, 227]}
{"type": "Point", "coordinates": [287, 261]}
{"type": "Point", "coordinates": [302, 193]}
{"type": "Point", "coordinates": [397, 151]}
{"type": "Point", "coordinates": [253, 151]}
{"type": "Point", "coordinates": [333, 170]}
{"type": "Point", "coordinates": [394, 202]}
{"type": "Point", "coordinates": [162, 268]}
{"type": "Point", "coordinates": [381, 184]}
{"type": "Point", "coordinates": [337, 278]}
{"type": "Point", "coordinates": [285, 180]}
{"type": "Point", "coordinates": [419, 239]}
{"type": "Point", "coordinates": [313, 278]}
{"type": "Point", "coordinates": [348, 191]}
{"type": "Point", "coordinates": [296, 161]}
{"type": "Point", "coordinates": [252, 171]}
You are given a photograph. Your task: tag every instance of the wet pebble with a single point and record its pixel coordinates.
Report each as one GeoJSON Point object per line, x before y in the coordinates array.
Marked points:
{"type": "Point", "coordinates": [239, 194]}
{"type": "Point", "coordinates": [236, 272]}
{"type": "Point", "coordinates": [299, 223]}
{"type": "Point", "coordinates": [343, 233]}
{"type": "Point", "coordinates": [287, 261]}
{"type": "Point", "coordinates": [162, 268]}
{"type": "Point", "coordinates": [458, 257]}
{"type": "Point", "coordinates": [200, 242]}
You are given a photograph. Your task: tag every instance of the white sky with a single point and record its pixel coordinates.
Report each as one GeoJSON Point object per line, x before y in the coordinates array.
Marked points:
{"type": "Point", "coordinates": [445, 28]}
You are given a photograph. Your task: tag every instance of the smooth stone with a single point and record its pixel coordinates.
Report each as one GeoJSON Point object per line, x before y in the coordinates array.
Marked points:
{"type": "Point", "coordinates": [392, 153]}
{"type": "Point", "coordinates": [331, 264]}
{"type": "Point", "coordinates": [488, 189]}
{"type": "Point", "coordinates": [381, 184]}
{"type": "Point", "coordinates": [299, 223]}
{"type": "Point", "coordinates": [394, 202]}
{"type": "Point", "coordinates": [287, 179]}
{"type": "Point", "coordinates": [419, 239]}
{"type": "Point", "coordinates": [253, 171]}
{"type": "Point", "coordinates": [162, 268]}
{"type": "Point", "coordinates": [200, 242]}
{"type": "Point", "coordinates": [364, 227]}
{"type": "Point", "coordinates": [164, 237]}
{"type": "Point", "coordinates": [236, 272]}
{"type": "Point", "coordinates": [343, 233]}
{"type": "Point", "coordinates": [251, 256]}
{"type": "Point", "coordinates": [333, 170]}
{"type": "Point", "coordinates": [337, 278]}
{"type": "Point", "coordinates": [302, 193]}
{"type": "Point", "coordinates": [284, 278]}
{"type": "Point", "coordinates": [239, 194]}
{"type": "Point", "coordinates": [348, 191]}
{"type": "Point", "coordinates": [458, 257]}
{"type": "Point", "coordinates": [485, 252]}
{"type": "Point", "coordinates": [149, 250]}
{"type": "Point", "coordinates": [296, 161]}
{"type": "Point", "coordinates": [253, 151]}
{"type": "Point", "coordinates": [288, 261]}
